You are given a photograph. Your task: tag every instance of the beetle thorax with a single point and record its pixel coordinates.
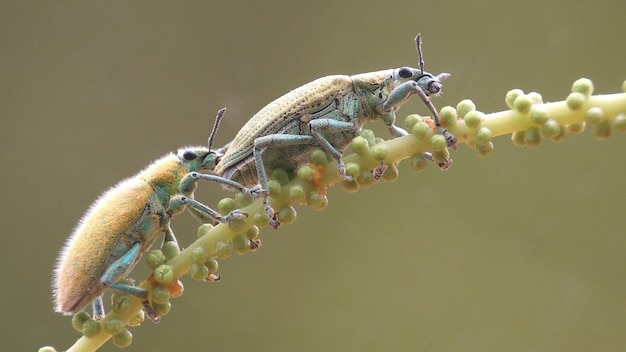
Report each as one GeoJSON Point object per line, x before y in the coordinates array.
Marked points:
{"type": "Point", "coordinates": [373, 88]}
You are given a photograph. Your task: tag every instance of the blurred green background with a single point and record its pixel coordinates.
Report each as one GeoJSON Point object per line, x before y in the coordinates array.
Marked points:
{"type": "Point", "coordinates": [521, 251]}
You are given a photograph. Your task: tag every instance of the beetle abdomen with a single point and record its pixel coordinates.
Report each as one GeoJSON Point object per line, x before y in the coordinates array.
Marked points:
{"type": "Point", "coordinates": [98, 241]}
{"type": "Point", "coordinates": [283, 116]}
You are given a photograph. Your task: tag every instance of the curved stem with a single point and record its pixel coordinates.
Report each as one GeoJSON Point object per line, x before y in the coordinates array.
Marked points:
{"type": "Point", "coordinates": [499, 123]}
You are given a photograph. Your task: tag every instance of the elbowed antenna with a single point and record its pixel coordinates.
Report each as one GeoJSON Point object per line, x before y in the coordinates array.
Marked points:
{"type": "Point", "coordinates": [218, 118]}
{"type": "Point", "coordinates": [418, 44]}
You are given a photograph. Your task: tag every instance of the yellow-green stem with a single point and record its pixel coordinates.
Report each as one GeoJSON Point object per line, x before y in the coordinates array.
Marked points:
{"type": "Point", "coordinates": [500, 123]}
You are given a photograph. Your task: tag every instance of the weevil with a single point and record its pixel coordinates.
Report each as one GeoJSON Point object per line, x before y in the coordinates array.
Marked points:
{"type": "Point", "coordinates": [326, 113]}
{"type": "Point", "coordinates": [126, 220]}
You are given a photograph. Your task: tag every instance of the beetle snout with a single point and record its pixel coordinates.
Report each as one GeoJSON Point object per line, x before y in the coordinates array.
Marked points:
{"type": "Point", "coordinates": [434, 87]}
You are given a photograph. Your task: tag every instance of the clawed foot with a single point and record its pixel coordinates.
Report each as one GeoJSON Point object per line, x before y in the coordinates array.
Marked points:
{"type": "Point", "coordinates": [342, 171]}
{"type": "Point", "coordinates": [213, 278]}
{"type": "Point", "coordinates": [235, 214]}
{"type": "Point", "coordinates": [150, 312]}
{"type": "Point", "coordinates": [450, 138]}
{"type": "Point", "coordinates": [255, 244]}
{"type": "Point", "coordinates": [379, 171]}
{"type": "Point", "coordinates": [444, 165]}
{"type": "Point", "coordinates": [255, 192]}
{"type": "Point", "coordinates": [271, 215]}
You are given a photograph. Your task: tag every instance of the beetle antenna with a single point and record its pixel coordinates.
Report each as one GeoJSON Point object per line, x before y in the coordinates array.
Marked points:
{"type": "Point", "coordinates": [418, 44]}
{"type": "Point", "coordinates": [218, 118]}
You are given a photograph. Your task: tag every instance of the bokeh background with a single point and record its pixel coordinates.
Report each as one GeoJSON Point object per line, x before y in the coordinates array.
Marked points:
{"type": "Point", "coordinates": [522, 251]}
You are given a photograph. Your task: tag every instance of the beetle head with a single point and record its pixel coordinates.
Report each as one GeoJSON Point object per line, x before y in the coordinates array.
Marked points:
{"type": "Point", "coordinates": [199, 158]}
{"type": "Point", "coordinates": [430, 84]}
{"type": "Point", "coordinates": [203, 158]}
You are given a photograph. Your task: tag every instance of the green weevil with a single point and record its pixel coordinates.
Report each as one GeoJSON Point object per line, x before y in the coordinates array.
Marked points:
{"type": "Point", "coordinates": [125, 221]}
{"type": "Point", "coordinates": [326, 113]}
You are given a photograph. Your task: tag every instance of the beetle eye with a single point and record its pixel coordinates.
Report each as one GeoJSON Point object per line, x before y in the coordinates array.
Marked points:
{"type": "Point", "coordinates": [189, 155]}
{"type": "Point", "coordinates": [405, 72]}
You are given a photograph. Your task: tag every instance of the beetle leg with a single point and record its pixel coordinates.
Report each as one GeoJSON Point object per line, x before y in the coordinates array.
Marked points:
{"type": "Point", "coordinates": [400, 95]}
{"type": "Point", "coordinates": [201, 211]}
{"type": "Point", "coordinates": [119, 269]}
{"type": "Point", "coordinates": [320, 125]}
{"type": "Point", "coordinates": [393, 103]}
{"type": "Point", "coordinates": [188, 183]}
{"type": "Point", "coordinates": [150, 312]}
{"type": "Point", "coordinates": [98, 309]}
{"type": "Point", "coordinates": [389, 119]}
{"type": "Point", "coordinates": [204, 210]}
{"type": "Point", "coordinates": [403, 92]}
{"type": "Point", "coordinates": [378, 172]}
{"type": "Point", "coordinates": [274, 141]}
{"type": "Point", "coordinates": [443, 166]}
{"type": "Point", "coordinates": [168, 236]}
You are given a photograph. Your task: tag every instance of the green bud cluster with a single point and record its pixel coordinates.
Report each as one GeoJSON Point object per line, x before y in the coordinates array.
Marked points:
{"type": "Point", "coordinates": [274, 187]}
{"type": "Point", "coordinates": [241, 245]}
{"type": "Point", "coordinates": [170, 249]}
{"type": "Point", "coordinates": [90, 328]}
{"type": "Point", "coordinates": [79, 319]}
{"type": "Point", "coordinates": [226, 205]}
{"type": "Point", "coordinates": [418, 162]}
{"type": "Point", "coordinates": [237, 225]}
{"type": "Point", "coordinates": [123, 339]}
{"type": "Point", "coordinates": [160, 294]}
{"type": "Point", "coordinates": [306, 186]}
{"type": "Point", "coordinates": [223, 249]}
{"type": "Point", "coordinates": [474, 119]}
{"type": "Point", "coordinates": [286, 214]}
{"type": "Point", "coordinates": [319, 157]}
{"type": "Point", "coordinates": [162, 309]}
{"type": "Point", "coordinates": [203, 270]}
{"type": "Point", "coordinates": [212, 265]}
{"type": "Point", "coordinates": [448, 117]}
{"type": "Point", "coordinates": [199, 271]}
{"type": "Point", "coordinates": [604, 125]}
{"type": "Point", "coordinates": [391, 173]}
{"type": "Point", "coordinates": [164, 274]}
{"type": "Point", "coordinates": [204, 229]}
{"type": "Point", "coordinates": [120, 302]}
{"type": "Point", "coordinates": [137, 319]}
{"type": "Point", "coordinates": [297, 193]}
{"type": "Point", "coordinates": [305, 173]}
{"type": "Point", "coordinates": [242, 200]}
{"type": "Point", "coordinates": [280, 175]}
{"type": "Point", "coordinates": [522, 104]}
{"type": "Point", "coordinates": [114, 326]}
{"type": "Point", "coordinates": [350, 186]}
{"type": "Point", "coordinates": [155, 258]}
{"type": "Point", "coordinates": [367, 145]}
{"type": "Point", "coordinates": [619, 122]}
{"type": "Point", "coordinates": [440, 156]}
{"type": "Point", "coordinates": [260, 219]}
{"type": "Point", "coordinates": [479, 136]}
{"type": "Point", "coordinates": [438, 142]}
{"type": "Point", "coordinates": [464, 107]}
{"type": "Point", "coordinates": [423, 130]}
{"type": "Point", "coordinates": [300, 187]}
{"type": "Point", "coordinates": [315, 200]}
{"type": "Point", "coordinates": [546, 127]}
